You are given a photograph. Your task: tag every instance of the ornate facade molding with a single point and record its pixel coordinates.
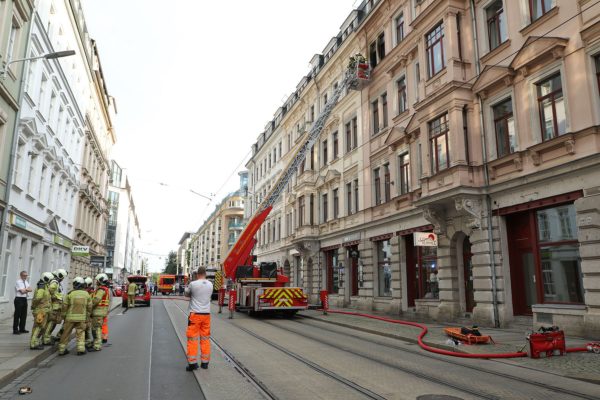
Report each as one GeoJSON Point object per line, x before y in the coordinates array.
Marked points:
{"type": "Point", "coordinates": [437, 218]}
{"type": "Point", "coordinates": [471, 207]}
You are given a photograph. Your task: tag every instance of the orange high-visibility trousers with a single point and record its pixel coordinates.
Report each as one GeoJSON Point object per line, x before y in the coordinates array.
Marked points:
{"type": "Point", "coordinates": [198, 329]}
{"type": "Point", "coordinates": [105, 329]}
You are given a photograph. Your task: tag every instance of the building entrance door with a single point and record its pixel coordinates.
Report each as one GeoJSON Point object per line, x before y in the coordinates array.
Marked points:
{"type": "Point", "coordinates": [521, 231]}
{"type": "Point", "coordinates": [353, 271]}
{"type": "Point", "coordinates": [468, 271]}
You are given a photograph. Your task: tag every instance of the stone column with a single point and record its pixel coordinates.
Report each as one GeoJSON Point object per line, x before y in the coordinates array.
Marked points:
{"type": "Point", "coordinates": [395, 306]}
{"type": "Point", "coordinates": [366, 290]}
{"type": "Point", "coordinates": [449, 306]}
{"type": "Point", "coordinates": [588, 226]}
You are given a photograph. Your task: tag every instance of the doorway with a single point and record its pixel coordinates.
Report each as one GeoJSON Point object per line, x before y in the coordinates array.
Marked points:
{"type": "Point", "coordinates": [353, 264]}
{"type": "Point", "coordinates": [468, 271]}
{"type": "Point", "coordinates": [521, 233]}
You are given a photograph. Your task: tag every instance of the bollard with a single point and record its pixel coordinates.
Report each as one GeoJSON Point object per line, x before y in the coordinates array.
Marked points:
{"type": "Point", "coordinates": [325, 301]}
{"type": "Point", "coordinates": [221, 298]}
{"type": "Point", "coordinates": [232, 299]}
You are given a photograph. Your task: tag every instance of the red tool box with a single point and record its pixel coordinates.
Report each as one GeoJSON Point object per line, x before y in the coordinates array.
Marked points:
{"type": "Point", "coordinates": [547, 342]}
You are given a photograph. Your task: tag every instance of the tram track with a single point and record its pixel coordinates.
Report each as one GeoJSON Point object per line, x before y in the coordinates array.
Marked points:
{"type": "Point", "coordinates": [445, 360]}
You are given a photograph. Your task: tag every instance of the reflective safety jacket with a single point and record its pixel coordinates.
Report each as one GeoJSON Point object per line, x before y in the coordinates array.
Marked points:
{"type": "Point", "coordinates": [56, 295]}
{"type": "Point", "coordinates": [100, 302]}
{"type": "Point", "coordinates": [77, 306]}
{"type": "Point", "coordinates": [131, 289]}
{"type": "Point", "coordinates": [42, 301]}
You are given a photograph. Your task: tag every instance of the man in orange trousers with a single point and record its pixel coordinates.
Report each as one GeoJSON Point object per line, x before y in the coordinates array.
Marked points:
{"type": "Point", "coordinates": [199, 292]}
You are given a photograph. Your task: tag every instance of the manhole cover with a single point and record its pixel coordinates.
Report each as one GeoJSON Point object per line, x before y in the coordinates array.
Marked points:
{"type": "Point", "coordinates": [438, 397]}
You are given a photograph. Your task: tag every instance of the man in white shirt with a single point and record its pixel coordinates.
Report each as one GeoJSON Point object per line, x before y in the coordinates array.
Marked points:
{"type": "Point", "coordinates": [21, 289]}
{"type": "Point", "coordinates": [199, 291]}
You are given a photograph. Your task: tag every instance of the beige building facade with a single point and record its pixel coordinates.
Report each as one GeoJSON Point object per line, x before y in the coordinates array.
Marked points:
{"type": "Point", "coordinates": [479, 127]}
{"type": "Point", "coordinates": [209, 245]}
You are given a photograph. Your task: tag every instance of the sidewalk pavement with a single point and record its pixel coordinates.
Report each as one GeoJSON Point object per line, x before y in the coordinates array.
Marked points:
{"type": "Point", "coordinates": [583, 366]}
{"type": "Point", "coordinates": [15, 355]}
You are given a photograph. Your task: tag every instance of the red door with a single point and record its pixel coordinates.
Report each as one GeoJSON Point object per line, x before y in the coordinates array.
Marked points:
{"type": "Point", "coordinates": [521, 238]}
{"type": "Point", "coordinates": [412, 270]}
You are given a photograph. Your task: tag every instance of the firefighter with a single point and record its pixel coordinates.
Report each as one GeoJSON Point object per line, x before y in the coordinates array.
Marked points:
{"type": "Point", "coordinates": [100, 305]}
{"type": "Point", "coordinates": [89, 336]}
{"type": "Point", "coordinates": [41, 306]}
{"type": "Point", "coordinates": [76, 309]}
{"type": "Point", "coordinates": [199, 291]}
{"type": "Point", "coordinates": [55, 318]}
{"type": "Point", "coordinates": [131, 289]}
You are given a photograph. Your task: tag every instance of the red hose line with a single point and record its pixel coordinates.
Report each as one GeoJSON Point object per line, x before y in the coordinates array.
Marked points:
{"type": "Point", "coordinates": [440, 351]}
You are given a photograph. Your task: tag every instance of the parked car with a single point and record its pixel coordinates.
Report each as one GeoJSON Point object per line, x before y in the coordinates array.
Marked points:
{"type": "Point", "coordinates": [142, 294]}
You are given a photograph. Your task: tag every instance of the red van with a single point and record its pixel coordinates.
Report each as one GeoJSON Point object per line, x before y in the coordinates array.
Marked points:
{"type": "Point", "coordinates": [142, 294]}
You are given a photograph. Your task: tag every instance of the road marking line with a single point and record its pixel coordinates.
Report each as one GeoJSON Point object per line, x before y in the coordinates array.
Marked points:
{"type": "Point", "coordinates": [150, 357]}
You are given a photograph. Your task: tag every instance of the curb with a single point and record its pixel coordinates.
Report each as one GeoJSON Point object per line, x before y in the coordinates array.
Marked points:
{"type": "Point", "coordinates": [384, 334]}
{"type": "Point", "coordinates": [9, 375]}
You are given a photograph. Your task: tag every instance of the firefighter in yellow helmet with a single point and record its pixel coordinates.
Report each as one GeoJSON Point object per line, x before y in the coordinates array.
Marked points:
{"type": "Point", "coordinates": [100, 306]}
{"type": "Point", "coordinates": [131, 289]}
{"type": "Point", "coordinates": [77, 307]}
{"type": "Point", "coordinates": [56, 293]}
{"type": "Point", "coordinates": [41, 306]}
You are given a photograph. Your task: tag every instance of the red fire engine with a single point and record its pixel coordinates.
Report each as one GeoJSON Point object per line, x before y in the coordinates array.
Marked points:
{"type": "Point", "coordinates": [257, 288]}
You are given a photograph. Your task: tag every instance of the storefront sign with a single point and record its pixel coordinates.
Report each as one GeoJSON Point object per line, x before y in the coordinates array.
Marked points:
{"type": "Point", "coordinates": [80, 251]}
{"type": "Point", "coordinates": [22, 223]}
{"type": "Point", "coordinates": [62, 241]}
{"type": "Point", "coordinates": [425, 239]}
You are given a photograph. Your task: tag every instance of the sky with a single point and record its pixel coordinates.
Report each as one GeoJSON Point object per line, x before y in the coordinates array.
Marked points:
{"type": "Point", "coordinates": [195, 83]}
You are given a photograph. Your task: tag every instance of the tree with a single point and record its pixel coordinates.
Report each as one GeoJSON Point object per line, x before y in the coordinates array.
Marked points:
{"type": "Point", "coordinates": [171, 264]}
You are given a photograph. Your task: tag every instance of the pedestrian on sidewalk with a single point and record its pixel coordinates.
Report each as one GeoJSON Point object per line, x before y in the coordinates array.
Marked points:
{"type": "Point", "coordinates": [199, 291]}
{"type": "Point", "coordinates": [22, 288]}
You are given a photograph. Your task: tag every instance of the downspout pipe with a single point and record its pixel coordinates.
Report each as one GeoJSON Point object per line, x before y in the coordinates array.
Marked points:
{"type": "Point", "coordinates": [486, 176]}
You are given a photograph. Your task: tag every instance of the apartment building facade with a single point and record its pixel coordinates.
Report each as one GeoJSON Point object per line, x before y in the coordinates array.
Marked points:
{"type": "Point", "coordinates": [209, 245]}
{"type": "Point", "coordinates": [470, 139]}
{"type": "Point", "coordinates": [184, 254]}
{"type": "Point", "coordinates": [15, 21]}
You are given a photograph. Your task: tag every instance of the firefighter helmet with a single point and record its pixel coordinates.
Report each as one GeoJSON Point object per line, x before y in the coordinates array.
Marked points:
{"type": "Point", "coordinates": [60, 274]}
{"type": "Point", "coordinates": [102, 279]}
{"type": "Point", "coordinates": [78, 283]}
{"type": "Point", "coordinates": [47, 277]}
{"type": "Point", "coordinates": [88, 282]}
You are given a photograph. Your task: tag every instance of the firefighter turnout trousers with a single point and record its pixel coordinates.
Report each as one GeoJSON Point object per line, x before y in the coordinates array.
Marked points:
{"type": "Point", "coordinates": [79, 335]}
{"type": "Point", "coordinates": [198, 329]}
{"type": "Point", "coordinates": [97, 323]}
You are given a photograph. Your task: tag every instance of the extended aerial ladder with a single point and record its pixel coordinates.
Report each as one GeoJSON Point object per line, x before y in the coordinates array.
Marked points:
{"type": "Point", "coordinates": [262, 288]}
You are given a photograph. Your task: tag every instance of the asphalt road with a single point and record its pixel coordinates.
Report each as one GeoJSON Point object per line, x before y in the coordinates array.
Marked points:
{"type": "Point", "coordinates": [143, 344]}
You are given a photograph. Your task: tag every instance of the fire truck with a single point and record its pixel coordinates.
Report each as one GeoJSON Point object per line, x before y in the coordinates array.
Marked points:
{"type": "Point", "coordinates": [263, 287]}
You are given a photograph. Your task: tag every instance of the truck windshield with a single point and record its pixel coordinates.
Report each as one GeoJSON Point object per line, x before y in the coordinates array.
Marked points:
{"type": "Point", "coordinates": [168, 281]}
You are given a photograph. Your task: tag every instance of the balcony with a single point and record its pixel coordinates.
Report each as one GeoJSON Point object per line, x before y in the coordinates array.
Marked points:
{"type": "Point", "coordinates": [234, 226]}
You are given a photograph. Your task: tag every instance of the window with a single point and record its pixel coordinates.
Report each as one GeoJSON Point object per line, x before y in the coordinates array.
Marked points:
{"type": "Point", "coordinates": [354, 132]}
{"type": "Point", "coordinates": [324, 152]}
{"type": "Point", "coordinates": [12, 41]}
{"type": "Point", "coordinates": [404, 163]}
{"type": "Point", "coordinates": [301, 211]}
{"type": "Point", "coordinates": [31, 174]}
{"type": "Point", "coordinates": [551, 107]}
{"type": "Point", "coordinates": [377, 186]}
{"type": "Point", "coordinates": [504, 125]}
{"type": "Point", "coordinates": [42, 182]}
{"type": "Point", "coordinates": [537, 8]}
{"type": "Point", "coordinates": [356, 196]}
{"type": "Point", "coordinates": [384, 267]}
{"type": "Point", "coordinates": [496, 24]}
{"type": "Point", "coordinates": [375, 116]}
{"type": "Point", "coordinates": [311, 211]}
{"type": "Point", "coordinates": [348, 198]}
{"type": "Point", "coordinates": [417, 81]}
{"type": "Point", "coordinates": [386, 182]}
{"type": "Point", "coordinates": [336, 203]}
{"type": "Point", "coordinates": [597, 63]}
{"type": "Point", "coordinates": [312, 113]}
{"type": "Point", "coordinates": [349, 137]}
{"type": "Point", "coordinates": [401, 85]}
{"type": "Point", "coordinates": [435, 50]}
{"type": "Point", "coordinates": [559, 254]}
{"type": "Point", "coordinates": [438, 138]}
{"type": "Point", "coordinates": [7, 263]}
{"type": "Point", "coordinates": [19, 163]}
{"type": "Point", "coordinates": [333, 281]}
{"type": "Point", "coordinates": [377, 50]}
{"type": "Point", "coordinates": [384, 107]}
{"type": "Point", "coordinates": [324, 100]}
{"type": "Point", "coordinates": [335, 145]}
{"type": "Point", "coordinates": [399, 23]}
{"type": "Point", "coordinates": [325, 207]}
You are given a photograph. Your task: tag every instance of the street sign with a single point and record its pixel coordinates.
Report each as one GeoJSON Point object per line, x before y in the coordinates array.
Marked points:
{"type": "Point", "coordinates": [425, 239]}
{"type": "Point", "coordinates": [81, 251]}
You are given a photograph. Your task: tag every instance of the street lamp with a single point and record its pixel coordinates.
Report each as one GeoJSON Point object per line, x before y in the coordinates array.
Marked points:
{"type": "Point", "coordinates": [49, 56]}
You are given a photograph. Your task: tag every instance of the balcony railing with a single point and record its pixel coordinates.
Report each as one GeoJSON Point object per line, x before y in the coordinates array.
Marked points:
{"type": "Point", "coordinates": [235, 225]}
